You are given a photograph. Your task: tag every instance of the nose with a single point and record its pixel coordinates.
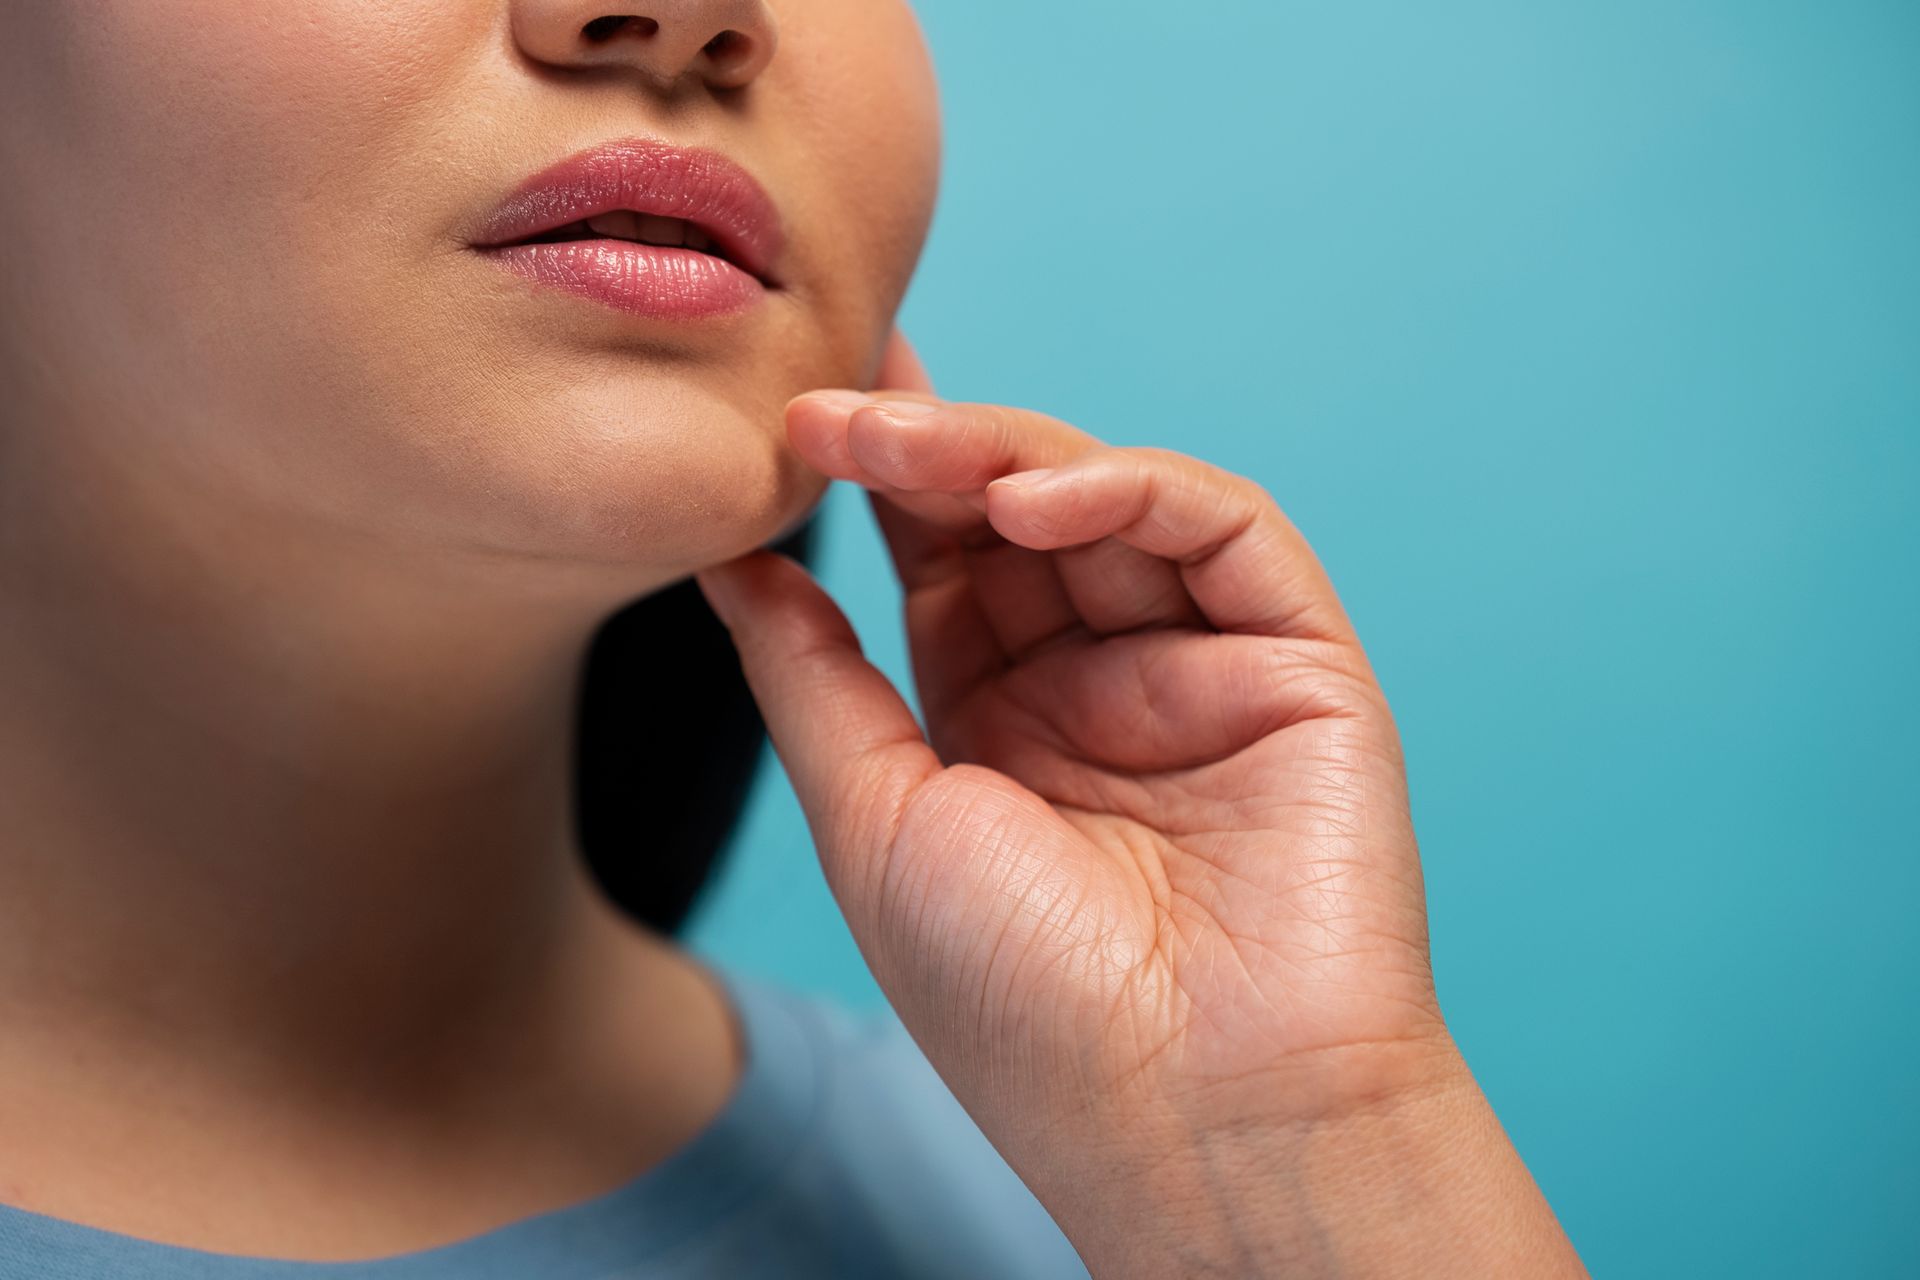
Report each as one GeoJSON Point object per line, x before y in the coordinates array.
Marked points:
{"type": "Point", "coordinates": [726, 43]}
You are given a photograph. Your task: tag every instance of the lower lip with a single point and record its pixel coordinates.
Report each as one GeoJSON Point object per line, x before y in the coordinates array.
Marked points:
{"type": "Point", "coordinates": [641, 279]}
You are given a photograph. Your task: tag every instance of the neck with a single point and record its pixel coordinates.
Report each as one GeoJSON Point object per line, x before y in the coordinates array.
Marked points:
{"type": "Point", "coordinates": [263, 786]}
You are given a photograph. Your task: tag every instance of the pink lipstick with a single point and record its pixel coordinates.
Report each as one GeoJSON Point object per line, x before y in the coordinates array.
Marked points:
{"type": "Point", "coordinates": [641, 226]}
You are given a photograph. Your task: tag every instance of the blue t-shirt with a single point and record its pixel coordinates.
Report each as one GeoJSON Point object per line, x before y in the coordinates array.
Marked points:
{"type": "Point", "coordinates": [841, 1153]}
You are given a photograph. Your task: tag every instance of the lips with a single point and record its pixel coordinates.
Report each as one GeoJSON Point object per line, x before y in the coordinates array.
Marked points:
{"type": "Point", "coordinates": [642, 226]}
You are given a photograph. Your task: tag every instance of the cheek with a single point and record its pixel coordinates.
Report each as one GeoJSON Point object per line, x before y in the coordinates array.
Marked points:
{"type": "Point", "coordinates": [195, 127]}
{"type": "Point", "coordinates": [857, 86]}
{"type": "Point", "coordinates": [256, 99]}
{"type": "Point", "coordinates": [219, 201]}
{"type": "Point", "coordinates": [198, 156]}
{"type": "Point", "coordinates": [225, 156]}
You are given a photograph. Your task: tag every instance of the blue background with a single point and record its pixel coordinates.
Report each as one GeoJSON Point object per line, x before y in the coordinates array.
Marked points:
{"type": "Point", "coordinates": [1584, 344]}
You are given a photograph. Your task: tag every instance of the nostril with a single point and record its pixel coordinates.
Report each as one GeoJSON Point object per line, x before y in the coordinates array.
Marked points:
{"type": "Point", "coordinates": [603, 29]}
{"type": "Point", "coordinates": [728, 46]}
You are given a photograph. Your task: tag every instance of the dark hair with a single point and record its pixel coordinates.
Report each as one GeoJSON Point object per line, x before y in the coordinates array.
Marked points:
{"type": "Point", "coordinates": [667, 743]}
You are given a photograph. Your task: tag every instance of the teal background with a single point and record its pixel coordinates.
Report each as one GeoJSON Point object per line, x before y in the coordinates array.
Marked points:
{"type": "Point", "coordinates": [1584, 343]}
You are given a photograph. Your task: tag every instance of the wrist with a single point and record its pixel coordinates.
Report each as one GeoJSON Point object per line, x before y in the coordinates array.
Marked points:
{"type": "Point", "coordinates": [1404, 1172]}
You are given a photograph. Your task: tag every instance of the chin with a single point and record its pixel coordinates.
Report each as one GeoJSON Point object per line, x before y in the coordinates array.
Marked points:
{"type": "Point", "coordinates": [645, 489]}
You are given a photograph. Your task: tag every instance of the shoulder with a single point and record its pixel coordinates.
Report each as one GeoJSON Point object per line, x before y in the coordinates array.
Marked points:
{"type": "Point", "coordinates": [888, 1155]}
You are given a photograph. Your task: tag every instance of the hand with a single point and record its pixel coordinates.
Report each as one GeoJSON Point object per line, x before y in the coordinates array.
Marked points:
{"type": "Point", "coordinates": [1146, 891]}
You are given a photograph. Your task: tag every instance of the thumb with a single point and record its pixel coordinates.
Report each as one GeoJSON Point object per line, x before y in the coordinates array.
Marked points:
{"type": "Point", "coordinates": [843, 733]}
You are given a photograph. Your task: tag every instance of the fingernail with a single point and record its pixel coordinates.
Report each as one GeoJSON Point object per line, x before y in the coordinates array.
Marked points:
{"type": "Point", "coordinates": [906, 410]}
{"type": "Point", "coordinates": [1022, 479]}
{"type": "Point", "coordinates": [845, 401]}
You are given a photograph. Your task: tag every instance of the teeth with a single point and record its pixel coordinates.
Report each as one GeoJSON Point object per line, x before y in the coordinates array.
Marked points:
{"type": "Point", "coordinates": [656, 230]}
{"type": "Point", "coordinates": [621, 223]}
{"type": "Point", "coordinates": [647, 228]}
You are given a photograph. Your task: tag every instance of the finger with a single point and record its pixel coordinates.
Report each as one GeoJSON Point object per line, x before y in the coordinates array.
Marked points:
{"type": "Point", "coordinates": [1112, 587]}
{"type": "Point", "coordinates": [937, 538]}
{"type": "Point", "coordinates": [934, 459]}
{"type": "Point", "coordinates": [942, 574]}
{"type": "Point", "coordinates": [1243, 562]}
{"type": "Point", "coordinates": [1234, 689]}
{"type": "Point", "coordinates": [817, 427]}
{"type": "Point", "coordinates": [948, 558]}
{"type": "Point", "coordinates": [1115, 588]}
{"type": "Point", "coordinates": [842, 731]}
{"type": "Point", "coordinates": [956, 640]}
{"type": "Point", "coordinates": [955, 447]}
{"type": "Point", "coordinates": [821, 437]}
{"type": "Point", "coordinates": [888, 441]}
{"type": "Point", "coordinates": [980, 847]}
{"type": "Point", "coordinates": [905, 450]}
{"type": "Point", "coordinates": [955, 644]}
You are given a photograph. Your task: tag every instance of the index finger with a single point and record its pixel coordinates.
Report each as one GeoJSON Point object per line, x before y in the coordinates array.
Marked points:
{"type": "Point", "coordinates": [1245, 564]}
{"type": "Point", "coordinates": [887, 442]}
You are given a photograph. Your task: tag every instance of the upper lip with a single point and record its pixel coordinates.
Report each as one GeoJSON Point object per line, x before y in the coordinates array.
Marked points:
{"type": "Point", "coordinates": [647, 176]}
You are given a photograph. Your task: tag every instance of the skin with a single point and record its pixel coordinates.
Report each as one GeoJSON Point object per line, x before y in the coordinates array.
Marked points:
{"type": "Point", "coordinates": [308, 515]}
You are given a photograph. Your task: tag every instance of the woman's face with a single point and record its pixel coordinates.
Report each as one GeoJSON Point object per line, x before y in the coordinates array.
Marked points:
{"type": "Point", "coordinates": [240, 260]}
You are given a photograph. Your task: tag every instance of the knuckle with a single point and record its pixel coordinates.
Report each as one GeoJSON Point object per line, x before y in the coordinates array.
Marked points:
{"type": "Point", "coordinates": [1201, 477]}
